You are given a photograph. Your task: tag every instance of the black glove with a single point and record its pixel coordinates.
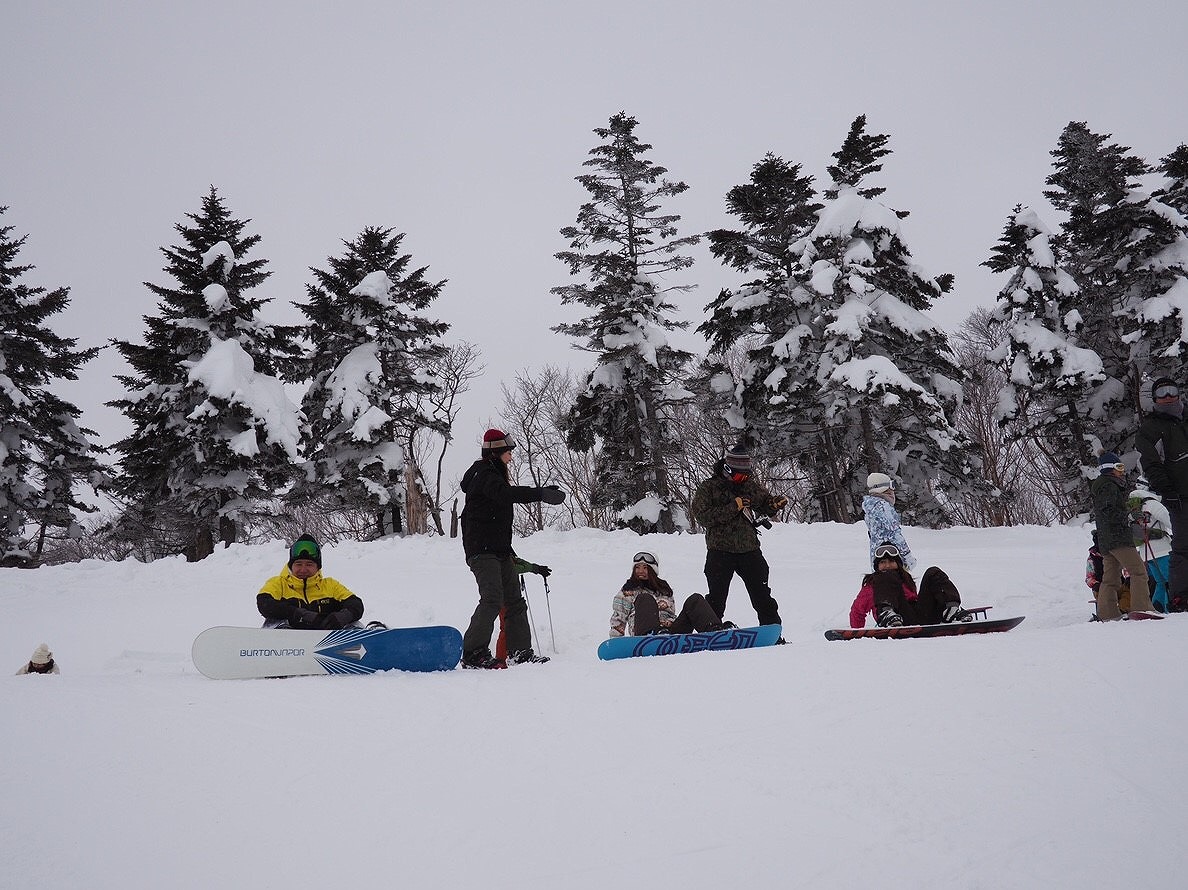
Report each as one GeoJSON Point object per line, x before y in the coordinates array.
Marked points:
{"type": "Point", "coordinates": [338, 619]}
{"type": "Point", "coordinates": [303, 617]}
{"type": "Point", "coordinates": [551, 494]}
{"type": "Point", "coordinates": [543, 571]}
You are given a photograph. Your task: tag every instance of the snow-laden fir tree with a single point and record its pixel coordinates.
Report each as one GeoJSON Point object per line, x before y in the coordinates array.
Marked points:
{"type": "Point", "coordinates": [775, 314]}
{"type": "Point", "coordinates": [1173, 191]}
{"type": "Point", "coordinates": [1052, 375]}
{"type": "Point", "coordinates": [370, 376]}
{"type": "Point", "coordinates": [1126, 250]}
{"type": "Point", "coordinates": [625, 246]}
{"type": "Point", "coordinates": [1156, 274]}
{"type": "Point", "coordinates": [887, 379]}
{"type": "Point", "coordinates": [44, 453]}
{"type": "Point", "coordinates": [213, 433]}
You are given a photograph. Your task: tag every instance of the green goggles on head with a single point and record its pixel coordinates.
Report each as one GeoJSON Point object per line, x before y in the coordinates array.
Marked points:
{"type": "Point", "coordinates": [304, 550]}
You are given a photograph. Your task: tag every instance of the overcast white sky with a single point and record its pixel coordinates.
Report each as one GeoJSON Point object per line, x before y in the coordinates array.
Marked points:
{"type": "Point", "coordinates": [463, 124]}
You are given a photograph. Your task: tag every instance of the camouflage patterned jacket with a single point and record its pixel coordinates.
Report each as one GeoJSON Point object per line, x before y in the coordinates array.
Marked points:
{"type": "Point", "coordinates": [726, 528]}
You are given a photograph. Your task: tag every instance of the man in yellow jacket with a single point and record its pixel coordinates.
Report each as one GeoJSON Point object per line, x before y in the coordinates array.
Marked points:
{"type": "Point", "coordinates": [302, 597]}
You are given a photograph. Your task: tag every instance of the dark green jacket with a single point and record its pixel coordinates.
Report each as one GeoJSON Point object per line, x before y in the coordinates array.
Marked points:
{"type": "Point", "coordinates": [726, 528]}
{"type": "Point", "coordinates": [1110, 513]}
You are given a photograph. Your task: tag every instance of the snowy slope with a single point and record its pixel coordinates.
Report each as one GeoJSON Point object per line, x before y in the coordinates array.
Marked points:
{"type": "Point", "coordinates": [1045, 757]}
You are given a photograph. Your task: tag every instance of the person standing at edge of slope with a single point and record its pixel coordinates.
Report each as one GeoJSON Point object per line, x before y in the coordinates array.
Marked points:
{"type": "Point", "coordinates": [487, 541]}
{"type": "Point", "coordinates": [1162, 444]}
{"type": "Point", "coordinates": [726, 505]}
{"type": "Point", "coordinates": [1116, 541]}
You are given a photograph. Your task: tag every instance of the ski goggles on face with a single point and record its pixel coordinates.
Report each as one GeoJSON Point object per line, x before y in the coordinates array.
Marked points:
{"type": "Point", "coordinates": [739, 477]}
{"type": "Point", "coordinates": [886, 551]}
{"type": "Point", "coordinates": [646, 558]}
{"type": "Point", "coordinates": [1119, 468]}
{"type": "Point", "coordinates": [1166, 390]}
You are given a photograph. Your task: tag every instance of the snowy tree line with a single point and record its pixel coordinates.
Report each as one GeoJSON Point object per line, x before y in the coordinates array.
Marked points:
{"type": "Point", "coordinates": [822, 358]}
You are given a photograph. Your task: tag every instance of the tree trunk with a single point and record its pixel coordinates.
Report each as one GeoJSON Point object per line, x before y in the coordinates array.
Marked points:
{"type": "Point", "coordinates": [201, 544]}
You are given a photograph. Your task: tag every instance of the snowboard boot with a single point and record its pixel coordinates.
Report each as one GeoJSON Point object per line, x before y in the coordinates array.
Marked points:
{"type": "Point", "coordinates": [526, 656]}
{"type": "Point", "coordinates": [482, 659]}
{"type": "Point", "coordinates": [954, 613]}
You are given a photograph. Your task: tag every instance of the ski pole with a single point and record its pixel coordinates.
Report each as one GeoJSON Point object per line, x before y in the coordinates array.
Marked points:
{"type": "Point", "coordinates": [531, 620]}
{"type": "Point", "coordinates": [549, 607]}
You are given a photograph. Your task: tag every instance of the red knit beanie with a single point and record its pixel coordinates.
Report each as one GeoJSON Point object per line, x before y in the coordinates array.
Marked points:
{"type": "Point", "coordinates": [497, 442]}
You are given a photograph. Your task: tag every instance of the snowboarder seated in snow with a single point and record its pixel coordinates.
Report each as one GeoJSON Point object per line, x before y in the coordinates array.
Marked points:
{"type": "Point", "coordinates": [645, 605]}
{"type": "Point", "coordinates": [487, 541]}
{"type": "Point", "coordinates": [301, 597]}
{"type": "Point", "coordinates": [1115, 540]}
{"type": "Point", "coordinates": [42, 662]}
{"type": "Point", "coordinates": [726, 505]}
{"type": "Point", "coordinates": [891, 593]}
{"type": "Point", "coordinates": [882, 519]}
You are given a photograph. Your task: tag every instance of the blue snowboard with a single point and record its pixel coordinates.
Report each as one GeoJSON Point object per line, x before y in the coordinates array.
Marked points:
{"type": "Point", "coordinates": [238, 653]}
{"type": "Point", "coordinates": [675, 644]}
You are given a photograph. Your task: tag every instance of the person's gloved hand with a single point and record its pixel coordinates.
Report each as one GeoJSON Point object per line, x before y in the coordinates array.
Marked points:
{"type": "Point", "coordinates": [551, 494]}
{"type": "Point", "coordinates": [302, 617]}
{"type": "Point", "coordinates": [779, 503]}
{"type": "Point", "coordinates": [543, 571]}
{"type": "Point", "coordinates": [742, 503]}
{"type": "Point", "coordinates": [335, 620]}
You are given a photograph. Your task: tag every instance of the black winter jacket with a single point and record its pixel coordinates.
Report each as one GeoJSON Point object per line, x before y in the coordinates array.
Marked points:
{"type": "Point", "coordinates": [1162, 443]}
{"type": "Point", "coordinates": [490, 507]}
{"type": "Point", "coordinates": [1110, 513]}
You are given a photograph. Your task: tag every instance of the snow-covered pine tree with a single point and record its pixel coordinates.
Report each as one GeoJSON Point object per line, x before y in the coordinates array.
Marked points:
{"type": "Point", "coordinates": [44, 454]}
{"type": "Point", "coordinates": [214, 433]}
{"type": "Point", "coordinates": [1052, 376]}
{"type": "Point", "coordinates": [888, 379]}
{"type": "Point", "coordinates": [776, 316]}
{"type": "Point", "coordinates": [1157, 275]}
{"type": "Point", "coordinates": [1125, 249]}
{"type": "Point", "coordinates": [624, 244]}
{"type": "Point", "coordinates": [1174, 189]}
{"type": "Point", "coordinates": [370, 376]}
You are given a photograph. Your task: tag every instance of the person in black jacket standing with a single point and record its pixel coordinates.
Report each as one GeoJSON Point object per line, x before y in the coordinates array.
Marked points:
{"type": "Point", "coordinates": [1162, 443]}
{"type": "Point", "coordinates": [486, 539]}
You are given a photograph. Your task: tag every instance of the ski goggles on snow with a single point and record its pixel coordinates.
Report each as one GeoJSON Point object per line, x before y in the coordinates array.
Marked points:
{"type": "Point", "coordinates": [646, 558]}
{"type": "Point", "coordinates": [1166, 390]}
{"type": "Point", "coordinates": [885, 551]}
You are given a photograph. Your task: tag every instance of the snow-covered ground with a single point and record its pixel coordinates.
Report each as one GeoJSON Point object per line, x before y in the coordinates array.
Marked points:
{"type": "Point", "coordinates": [1045, 757]}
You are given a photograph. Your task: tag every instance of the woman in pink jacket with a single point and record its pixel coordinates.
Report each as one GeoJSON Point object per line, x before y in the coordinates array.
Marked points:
{"type": "Point", "coordinates": [890, 593]}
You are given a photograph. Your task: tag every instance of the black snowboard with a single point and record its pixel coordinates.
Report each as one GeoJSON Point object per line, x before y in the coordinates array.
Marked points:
{"type": "Point", "coordinates": [997, 625]}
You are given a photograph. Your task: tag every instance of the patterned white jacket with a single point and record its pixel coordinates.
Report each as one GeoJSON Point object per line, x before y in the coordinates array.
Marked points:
{"type": "Point", "coordinates": [882, 526]}
{"type": "Point", "coordinates": [623, 609]}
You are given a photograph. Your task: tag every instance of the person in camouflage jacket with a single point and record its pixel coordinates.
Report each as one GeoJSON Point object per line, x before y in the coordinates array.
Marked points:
{"type": "Point", "coordinates": [727, 505]}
